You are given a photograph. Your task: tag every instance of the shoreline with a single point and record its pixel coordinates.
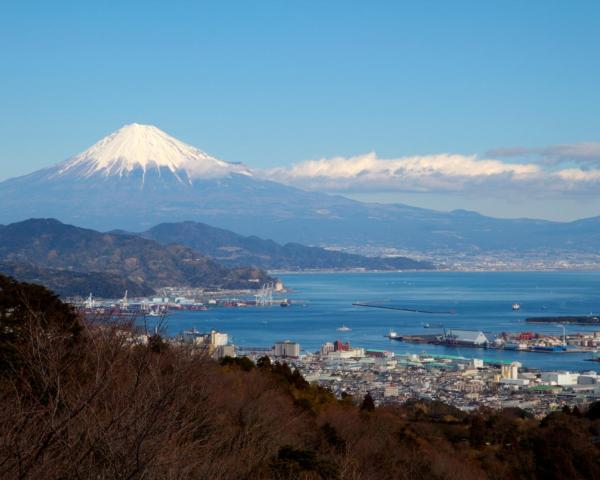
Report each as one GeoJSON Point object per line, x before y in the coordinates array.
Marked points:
{"type": "Point", "coordinates": [434, 270]}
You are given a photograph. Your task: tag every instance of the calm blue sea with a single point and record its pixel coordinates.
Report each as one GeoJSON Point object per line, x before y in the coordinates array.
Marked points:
{"type": "Point", "coordinates": [322, 302]}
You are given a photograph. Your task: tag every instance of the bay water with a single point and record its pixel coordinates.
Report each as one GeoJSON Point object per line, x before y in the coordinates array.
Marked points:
{"type": "Point", "coordinates": [322, 303]}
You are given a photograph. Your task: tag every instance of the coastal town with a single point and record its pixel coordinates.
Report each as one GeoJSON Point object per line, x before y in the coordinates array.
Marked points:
{"type": "Point", "coordinates": [465, 383]}
{"type": "Point", "coordinates": [492, 261]}
{"type": "Point", "coordinates": [387, 376]}
{"type": "Point", "coordinates": [462, 382]}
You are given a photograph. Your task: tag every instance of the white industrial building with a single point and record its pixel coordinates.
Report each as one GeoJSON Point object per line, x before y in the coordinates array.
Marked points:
{"type": "Point", "coordinates": [212, 338]}
{"type": "Point", "coordinates": [511, 371]}
{"type": "Point", "coordinates": [560, 378]}
{"type": "Point", "coordinates": [588, 378]}
{"type": "Point", "coordinates": [225, 351]}
{"type": "Point", "coordinates": [518, 382]}
{"type": "Point", "coordinates": [477, 363]}
{"type": "Point", "coordinates": [213, 342]}
{"type": "Point", "coordinates": [352, 353]}
{"type": "Point", "coordinates": [218, 339]}
{"type": "Point", "coordinates": [286, 349]}
{"type": "Point", "coordinates": [390, 390]}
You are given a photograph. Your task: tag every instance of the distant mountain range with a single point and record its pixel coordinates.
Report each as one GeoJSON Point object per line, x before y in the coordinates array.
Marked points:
{"type": "Point", "coordinates": [139, 177]}
{"type": "Point", "coordinates": [233, 250]}
{"type": "Point", "coordinates": [74, 260]}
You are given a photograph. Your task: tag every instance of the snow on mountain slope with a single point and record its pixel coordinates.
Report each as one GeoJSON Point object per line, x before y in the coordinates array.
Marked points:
{"type": "Point", "coordinates": [146, 148]}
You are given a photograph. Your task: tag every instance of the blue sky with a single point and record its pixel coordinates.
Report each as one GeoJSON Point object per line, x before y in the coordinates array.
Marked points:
{"type": "Point", "coordinates": [273, 83]}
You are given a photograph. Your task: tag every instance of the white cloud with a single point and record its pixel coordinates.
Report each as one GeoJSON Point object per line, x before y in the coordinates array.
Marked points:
{"type": "Point", "coordinates": [434, 173]}
{"type": "Point", "coordinates": [578, 175]}
{"type": "Point", "coordinates": [417, 173]}
{"type": "Point", "coordinates": [452, 165]}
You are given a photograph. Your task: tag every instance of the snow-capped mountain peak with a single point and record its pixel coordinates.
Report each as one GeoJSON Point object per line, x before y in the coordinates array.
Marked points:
{"type": "Point", "coordinates": [146, 148]}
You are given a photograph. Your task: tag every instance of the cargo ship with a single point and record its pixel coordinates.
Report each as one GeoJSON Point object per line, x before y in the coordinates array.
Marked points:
{"type": "Point", "coordinates": [394, 335]}
{"type": "Point", "coordinates": [548, 348]}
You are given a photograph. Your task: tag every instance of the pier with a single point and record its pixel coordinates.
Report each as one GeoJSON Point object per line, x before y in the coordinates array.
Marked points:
{"type": "Point", "coordinates": [450, 342]}
{"type": "Point", "coordinates": [403, 309]}
{"type": "Point", "coordinates": [576, 319]}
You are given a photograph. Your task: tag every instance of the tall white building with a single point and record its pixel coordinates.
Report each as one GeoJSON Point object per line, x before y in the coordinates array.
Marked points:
{"type": "Point", "coordinates": [218, 339]}
{"type": "Point", "coordinates": [286, 349]}
{"type": "Point", "coordinates": [213, 339]}
{"type": "Point", "coordinates": [511, 371]}
{"type": "Point", "coordinates": [327, 348]}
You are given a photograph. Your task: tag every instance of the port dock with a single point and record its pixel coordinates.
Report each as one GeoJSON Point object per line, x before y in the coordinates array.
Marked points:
{"type": "Point", "coordinates": [402, 309]}
{"type": "Point", "coordinates": [452, 341]}
{"type": "Point", "coordinates": [573, 319]}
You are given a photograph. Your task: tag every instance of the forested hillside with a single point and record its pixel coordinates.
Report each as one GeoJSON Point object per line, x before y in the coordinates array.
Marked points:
{"type": "Point", "coordinates": [84, 400]}
{"type": "Point", "coordinates": [65, 250]}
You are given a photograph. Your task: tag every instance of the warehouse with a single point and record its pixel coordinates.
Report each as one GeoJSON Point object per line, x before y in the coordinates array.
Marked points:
{"type": "Point", "coordinates": [465, 337]}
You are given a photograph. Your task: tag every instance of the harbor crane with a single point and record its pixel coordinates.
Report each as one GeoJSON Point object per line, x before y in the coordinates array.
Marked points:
{"type": "Point", "coordinates": [265, 295]}
{"type": "Point", "coordinates": [125, 301]}
{"type": "Point", "coordinates": [90, 303]}
{"type": "Point", "coordinates": [560, 325]}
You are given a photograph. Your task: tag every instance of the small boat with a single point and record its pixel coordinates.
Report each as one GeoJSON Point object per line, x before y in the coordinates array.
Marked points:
{"type": "Point", "coordinates": [285, 303]}
{"type": "Point", "coordinates": [433, 325]}
{"type": "Point", "coordinates": [394, 335]}
{"type": "Point", "coordinates": [516, 306]}
{"type": "Point", "coordinates": [199, 307]}
{"type": "Point", "coordinates": [515, 346]}
{"type": "Point", "coordinates": [344, 328]}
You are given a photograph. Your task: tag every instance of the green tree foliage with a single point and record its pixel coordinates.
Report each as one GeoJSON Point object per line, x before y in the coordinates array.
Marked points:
{"type": "Point", "coordinates": [157, 344]}
{"type": "Point", "coordinates": [264, 363]}
{"type": "Point", "coordinates": [367, 405]}
{"type": "Point", "coordinates": [293, 463]}
{"type": "Point", "coordinates": [243, 363]}
{"type": "Point", "coordinates": [25, 308]}
{"type": "Point", "coordinates": [593, 412]}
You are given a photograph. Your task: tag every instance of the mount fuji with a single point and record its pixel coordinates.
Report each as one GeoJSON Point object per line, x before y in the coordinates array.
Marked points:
{"type": "Point", "coordinates": [139, 176]}
{"type": "Point", "coordinates": [136, 151]}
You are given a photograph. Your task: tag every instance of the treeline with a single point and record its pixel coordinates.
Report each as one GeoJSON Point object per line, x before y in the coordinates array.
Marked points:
{"type": "Point", "coordinates": [82, 400]}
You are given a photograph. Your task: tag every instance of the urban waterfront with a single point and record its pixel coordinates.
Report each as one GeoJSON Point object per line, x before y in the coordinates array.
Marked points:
{"type": "Point", "coordinates": [322, 302]}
